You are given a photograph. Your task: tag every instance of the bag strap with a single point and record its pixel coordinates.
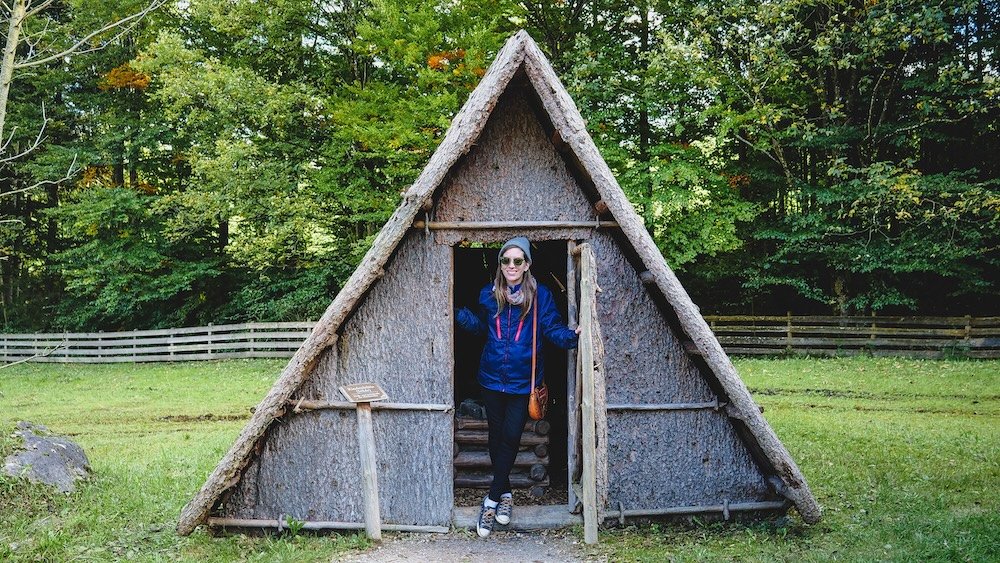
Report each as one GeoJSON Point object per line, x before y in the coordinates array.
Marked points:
{"type": "Point", "coordinates": [534, 334]}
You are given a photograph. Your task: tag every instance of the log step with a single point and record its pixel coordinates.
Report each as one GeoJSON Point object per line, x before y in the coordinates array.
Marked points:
{"type": "Point", "coordinates": [482, 438]}
{"type": "Point", "coordinates": [482, 459]}
{"type": "Point", "coordinates": [540, 427]}
{"type": "Point", "coordinates": [484, 480]}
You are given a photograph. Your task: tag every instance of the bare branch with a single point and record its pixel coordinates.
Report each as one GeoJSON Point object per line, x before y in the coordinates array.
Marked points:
{"type": "Point", "coordinates": [37, 9]}
{"type": "Point", "coordinates": [924, 123]}
{"type": "Point", "coordinates": [34, 145]}
{"type": "Point", "coordinates": [756, 148]}
{"type": "Point", "coordinates": [35, 357]}
{"type": "Point", "coordinates": [68, 176]}
{"type": "Point", "coordinates": [76, 46]}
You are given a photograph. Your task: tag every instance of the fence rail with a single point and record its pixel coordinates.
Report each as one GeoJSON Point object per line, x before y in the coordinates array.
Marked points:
{"type": "Point", "coordinates": [921, 337]}
{"type": "Point", "coordinates": [924, 337]}
{"type": "Point", "coordinates": [213, 342]}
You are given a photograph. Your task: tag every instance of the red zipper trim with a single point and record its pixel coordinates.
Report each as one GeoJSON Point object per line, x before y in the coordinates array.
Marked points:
{"type": "Point", "coordinates": [520, 325]}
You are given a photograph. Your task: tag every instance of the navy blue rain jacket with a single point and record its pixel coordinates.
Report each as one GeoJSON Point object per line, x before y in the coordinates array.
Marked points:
{"type": "Point", "coordinates": [505, 365]}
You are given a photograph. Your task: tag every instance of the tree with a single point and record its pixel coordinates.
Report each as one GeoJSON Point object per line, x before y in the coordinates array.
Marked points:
{"type": "Point", "coordinates": [866, 131]}
{"type": "Point", "coordinates": [634, 85]}
{"type": "Point", "coordinates": [40, 39]}
{"type": "Point", "coordinates": [46, 46]}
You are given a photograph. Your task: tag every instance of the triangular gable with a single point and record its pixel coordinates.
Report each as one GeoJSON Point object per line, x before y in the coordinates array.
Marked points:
{"type": "Point", "coordinates": [519, 52]}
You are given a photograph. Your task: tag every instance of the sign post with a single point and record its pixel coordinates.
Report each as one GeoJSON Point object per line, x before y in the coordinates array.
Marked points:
{"type": "Point", "coordinates": [363, 394]}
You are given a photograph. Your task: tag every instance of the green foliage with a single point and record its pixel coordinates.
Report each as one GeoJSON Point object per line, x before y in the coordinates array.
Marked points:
{"type": "Point", "coordinates": [864, 131]}
{"type": "Point", "coordinates": [882, 227]}
{"type": "Point", "coordinates": [783, 155]}
{"type": "Point", "coordinates": [633, 84]}
{"type": "Point", "coordinates": [120, 273]}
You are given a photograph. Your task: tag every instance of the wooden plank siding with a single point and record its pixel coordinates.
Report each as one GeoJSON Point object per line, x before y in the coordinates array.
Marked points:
{"type": "Point", "coordinates": [918, 337]}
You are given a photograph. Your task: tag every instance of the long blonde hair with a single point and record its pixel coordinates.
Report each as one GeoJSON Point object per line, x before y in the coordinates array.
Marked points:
{"type": "Point", "coordinates": [529, 287]}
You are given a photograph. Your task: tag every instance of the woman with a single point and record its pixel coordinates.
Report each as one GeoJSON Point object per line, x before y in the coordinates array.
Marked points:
{"type": "Point", "coordinates": [508, 309]}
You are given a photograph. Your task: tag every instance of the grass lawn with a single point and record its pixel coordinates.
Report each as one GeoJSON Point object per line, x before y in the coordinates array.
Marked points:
{"type": "Point", "coordinates": [903, 455]}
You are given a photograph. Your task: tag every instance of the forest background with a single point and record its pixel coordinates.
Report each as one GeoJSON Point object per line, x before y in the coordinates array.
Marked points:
{"type": "Point", "coordinates": [226, 161]}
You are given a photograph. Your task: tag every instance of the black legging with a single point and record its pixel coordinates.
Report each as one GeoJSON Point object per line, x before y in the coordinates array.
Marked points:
{"type": "Point", "coordinates": [506, 414]}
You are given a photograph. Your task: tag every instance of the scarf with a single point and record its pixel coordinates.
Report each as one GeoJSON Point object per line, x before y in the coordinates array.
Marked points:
{"type": "Point", "coordinates": [514, 296]}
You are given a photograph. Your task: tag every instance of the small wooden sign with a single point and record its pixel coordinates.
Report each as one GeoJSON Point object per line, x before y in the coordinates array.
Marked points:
{"type": "Point", "coordinates": [363, 392]}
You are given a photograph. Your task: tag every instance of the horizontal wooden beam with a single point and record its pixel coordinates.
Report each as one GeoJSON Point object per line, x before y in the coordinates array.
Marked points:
{"type": "Point", "coordinates": [486, 225]}
{"type": "Point", "coordinates": [312, 405]}
{"type": "Point", "coordinates": [713, 405]}
{"type": "Point", "coordinates": [279, 525]}
{"type": "Point", "coordinates": [725, 508]}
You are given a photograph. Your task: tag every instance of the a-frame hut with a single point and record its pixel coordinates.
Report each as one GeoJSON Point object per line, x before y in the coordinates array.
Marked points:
{"type": "Point", "coordinates": [683, 435]}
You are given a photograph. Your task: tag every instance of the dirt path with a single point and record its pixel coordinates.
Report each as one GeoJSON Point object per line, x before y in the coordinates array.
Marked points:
{"type": "Point", "coordinates": [466, 546]}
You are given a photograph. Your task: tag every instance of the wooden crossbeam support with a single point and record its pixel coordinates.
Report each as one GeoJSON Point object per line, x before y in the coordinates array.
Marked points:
{"type": "Point", "coordinates": [487, 225]}
{"type": "Point", "coordinates": [316, 525]}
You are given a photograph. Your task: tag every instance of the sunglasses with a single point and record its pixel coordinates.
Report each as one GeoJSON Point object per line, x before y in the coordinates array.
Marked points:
{"type": "Point", "coordinates": [506, 261]}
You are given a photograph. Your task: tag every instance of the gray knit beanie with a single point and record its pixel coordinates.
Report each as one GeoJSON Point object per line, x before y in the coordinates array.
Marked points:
{"type": "Point", "coordinates": [519, 242]}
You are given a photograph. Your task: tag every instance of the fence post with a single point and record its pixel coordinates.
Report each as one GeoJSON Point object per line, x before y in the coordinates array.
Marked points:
{"type": "Point", "coordinates": [210, 351]}
{"type": "Point", "coordinates": [100, 344]}
{"type": "Point", "coordinates": [135, 346]}
{"type": "Point", "coordinates": [788, 332]}
{"type": "Point", "coordinates": [171, 344]}
{"type": "Point", "coordinates": [252, 342]}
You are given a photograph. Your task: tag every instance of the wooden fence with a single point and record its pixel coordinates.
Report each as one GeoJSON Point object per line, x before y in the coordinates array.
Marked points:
{"type": "Point", "coordinates": [923, 337]}
{"type": "Point", "coordinates": [249, 340]}
{"type": "Point", "coordinates": [920, 337]}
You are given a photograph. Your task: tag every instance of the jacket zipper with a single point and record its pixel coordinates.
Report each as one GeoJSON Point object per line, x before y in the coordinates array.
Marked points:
{"type": "Point", "coordinates": [506, 345]}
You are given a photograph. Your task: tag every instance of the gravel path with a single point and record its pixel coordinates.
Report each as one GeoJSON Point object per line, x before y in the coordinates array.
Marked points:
{"type": "Point", "coordinates": [462, 545]}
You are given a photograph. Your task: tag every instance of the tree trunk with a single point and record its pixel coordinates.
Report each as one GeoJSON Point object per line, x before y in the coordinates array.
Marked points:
{"type": "Point", "coordinates": [840, 292]}
{"type": "Point", "coordinates": [17, 13]}
{"type": "Point", "coordinates": [223, 240]}
{"type": "Point", "coordinates": [118, 174]}
{"type": "Point", "coordinates": [644, 134]}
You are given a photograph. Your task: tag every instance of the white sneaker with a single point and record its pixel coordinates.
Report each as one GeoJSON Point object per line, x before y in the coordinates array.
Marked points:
{"type": "Point", "coordinates": [504, 510]}
{"type": "Point", "coordinates": [487, 516]}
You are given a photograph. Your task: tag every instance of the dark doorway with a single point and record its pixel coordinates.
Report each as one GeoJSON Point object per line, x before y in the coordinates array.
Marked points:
{"type": "Point", "coordinates": [475, 267]}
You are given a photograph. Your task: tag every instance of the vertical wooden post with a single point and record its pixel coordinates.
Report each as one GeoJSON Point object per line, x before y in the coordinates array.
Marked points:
{"type": "Point", "coordinates": [572, 397]}
{"type": "Point", "coordinates": [369, 475]}
{"type": "Point", "coordinates": [100, 343]}
{"type": "Point", "coordinates": [589, 478]}
{"type": "Point", "coordinates": [209, 336]}
{"type": "Point", "coordinates": [788, 332]}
